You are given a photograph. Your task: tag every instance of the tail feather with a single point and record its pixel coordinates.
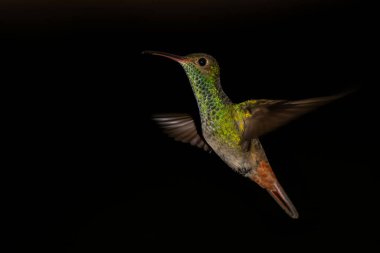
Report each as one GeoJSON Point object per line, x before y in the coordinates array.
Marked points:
{"type": "Point", "coordinates": [278, 193]}
{"type": "Point", "coordinates": [265, 177]}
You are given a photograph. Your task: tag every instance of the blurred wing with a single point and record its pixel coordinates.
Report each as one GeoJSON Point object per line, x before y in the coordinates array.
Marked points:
{"type": "Point", "coordinates": [267, 115]}
{"type": "Point", "coordinates": [181, 127]}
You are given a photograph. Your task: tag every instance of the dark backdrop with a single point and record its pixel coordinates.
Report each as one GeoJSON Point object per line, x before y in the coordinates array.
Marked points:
{"type": "Point", "coordinates": [94, 174]}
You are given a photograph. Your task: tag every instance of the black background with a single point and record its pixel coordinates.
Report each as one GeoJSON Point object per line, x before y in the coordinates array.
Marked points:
{"type": "Point", "coordinates": [92, 173]}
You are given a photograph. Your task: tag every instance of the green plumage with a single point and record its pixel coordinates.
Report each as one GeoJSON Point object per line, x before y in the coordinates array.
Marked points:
{"type": "Point", "coordinates": [216, 110]}
{"type": "Point", "coordinates": [232, 130]}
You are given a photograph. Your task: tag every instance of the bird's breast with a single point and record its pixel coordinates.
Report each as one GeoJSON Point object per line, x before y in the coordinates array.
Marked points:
{"type": "Point", "coordinates": [226, 144]}
{"type": "Point", "coordinates": [222, 128]}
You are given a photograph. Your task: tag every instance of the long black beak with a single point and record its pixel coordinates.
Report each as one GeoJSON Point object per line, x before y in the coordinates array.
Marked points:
{"type": "Point", "coordinates": [174, 57]}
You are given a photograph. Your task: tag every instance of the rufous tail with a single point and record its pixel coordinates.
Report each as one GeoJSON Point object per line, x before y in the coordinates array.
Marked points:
{"type": "Point", "coordinates": [265, 177]}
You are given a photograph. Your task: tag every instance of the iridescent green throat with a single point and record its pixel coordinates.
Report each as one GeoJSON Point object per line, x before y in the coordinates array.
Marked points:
{"type": "Point", "coordinates": [208, 92]}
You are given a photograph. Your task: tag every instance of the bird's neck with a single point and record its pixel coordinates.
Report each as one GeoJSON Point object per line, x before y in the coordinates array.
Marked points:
{"type": "Point", "coordinates": [210, 97]}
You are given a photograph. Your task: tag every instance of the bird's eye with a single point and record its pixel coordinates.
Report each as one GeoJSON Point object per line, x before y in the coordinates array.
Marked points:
{"type": "Point", "coordinates": [202, 61]}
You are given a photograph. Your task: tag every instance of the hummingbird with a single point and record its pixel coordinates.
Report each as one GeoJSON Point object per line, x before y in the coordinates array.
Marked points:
{"type": "Point", "coordinates": [232, 130]}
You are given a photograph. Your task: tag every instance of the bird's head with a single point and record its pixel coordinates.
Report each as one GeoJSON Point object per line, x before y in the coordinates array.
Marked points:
{"type": "Point", "coordinates": [199, 67]}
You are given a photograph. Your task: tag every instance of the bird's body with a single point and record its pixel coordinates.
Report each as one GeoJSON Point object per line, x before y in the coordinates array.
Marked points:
{"type": "Point", "coordinates": [222, 121]}
{"type": "Point", "coordinates": [223, 131]}
{"type": "Point", "coordinates": [232, 130]}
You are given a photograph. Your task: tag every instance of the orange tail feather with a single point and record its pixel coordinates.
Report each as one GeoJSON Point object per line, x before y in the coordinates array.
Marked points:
{"type": "Point", "coordinates": [265, 177]}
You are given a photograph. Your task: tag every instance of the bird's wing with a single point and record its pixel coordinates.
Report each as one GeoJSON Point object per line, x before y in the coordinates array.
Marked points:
{"type": "Point", "coordinates": [266, 115]}
{"type": "Point", "coordinates": [181, 127]}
